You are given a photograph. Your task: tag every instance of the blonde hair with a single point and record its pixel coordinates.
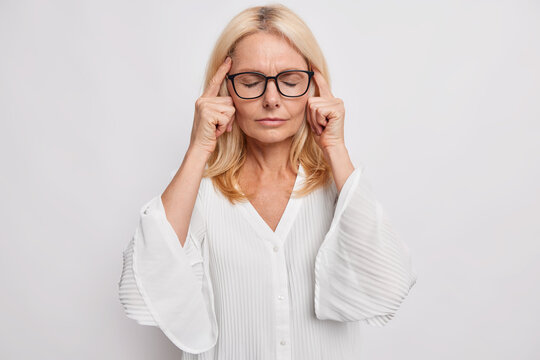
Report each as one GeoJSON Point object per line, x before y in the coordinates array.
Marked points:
{"type": "Point", "coordinates": [229, 155]}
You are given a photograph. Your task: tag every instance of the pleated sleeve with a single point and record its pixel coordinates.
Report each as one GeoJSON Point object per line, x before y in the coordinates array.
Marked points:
{"type": "Point", "coordinates": [363, 271]}
{"type": "Point", "coordinates": [166, 285]}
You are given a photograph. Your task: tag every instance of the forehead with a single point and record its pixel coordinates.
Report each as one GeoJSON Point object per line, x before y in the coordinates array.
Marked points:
{"type": "Point", "coordinates": [266, 53]}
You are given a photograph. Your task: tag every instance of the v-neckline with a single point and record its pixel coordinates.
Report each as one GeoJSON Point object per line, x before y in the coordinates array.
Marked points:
{"type": "Point", "coordinates": [285, 222]}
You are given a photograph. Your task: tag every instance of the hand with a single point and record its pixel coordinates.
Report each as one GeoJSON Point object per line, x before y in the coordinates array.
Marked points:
{"type": "Point", "coordinates": [213, 114]}
{"type": "Point", "coordinates": [325, 115]}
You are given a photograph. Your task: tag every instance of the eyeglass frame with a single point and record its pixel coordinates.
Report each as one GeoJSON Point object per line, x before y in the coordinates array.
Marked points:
{"type": "Point", "coordinates": [232, 76]}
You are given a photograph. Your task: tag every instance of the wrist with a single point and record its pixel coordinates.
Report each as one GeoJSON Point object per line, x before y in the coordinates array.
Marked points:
{"type": "Point", "coordinates": [335, 152]}
{"type": "Point", "coordinates": [341, 164]}
{"type": "Point", "coordinates": [197, 153]}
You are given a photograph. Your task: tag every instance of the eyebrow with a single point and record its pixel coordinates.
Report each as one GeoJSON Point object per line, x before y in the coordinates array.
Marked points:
{"type": "Point", "coordinates": [262, 72]}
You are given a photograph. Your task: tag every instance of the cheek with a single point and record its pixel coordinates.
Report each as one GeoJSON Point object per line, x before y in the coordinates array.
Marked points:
{"type": "Point", "coordinates": [244, 110]}
{"type": "Point", "coordinates": [300, 109]}
{"type": "Point", "coordinates": [245, 113]}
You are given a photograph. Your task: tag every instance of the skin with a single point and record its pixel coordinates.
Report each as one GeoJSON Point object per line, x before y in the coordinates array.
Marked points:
{"type": "Point", "coordinates": [266, 177]}
{"type": "Point", "coordinates": [268, 147]}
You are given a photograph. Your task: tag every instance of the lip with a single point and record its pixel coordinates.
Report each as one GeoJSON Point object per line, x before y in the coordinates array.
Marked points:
{"type": "Point", "coordinates": [271, 119]}
{"type": "Point", "coordinates": [272, 122]}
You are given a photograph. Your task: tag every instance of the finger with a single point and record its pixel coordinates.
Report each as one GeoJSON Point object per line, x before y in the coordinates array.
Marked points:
{"type": "Point", "coordinates": [321, 117]}
{"type": "Point", "coordinates": [222, 108]}
{"type": "Point", "coordinates": [221, 124]}
{"type": "Point", "coordinates": [316, 126]}
{"type": "Point", "coordinates": [227, 100]}
{"type": "Point", "coordinates": [321, 120]}
{"type": "Point", "coordinates": [308, 119]}
{"type": "Point", "coordinates": [320, 81]}
{"type": "Point", "coordinates": [212, 89]}
{"type": "Point", "coordinates": [229, 127]}
{"type": "Point", "coordinates": [228, 118]}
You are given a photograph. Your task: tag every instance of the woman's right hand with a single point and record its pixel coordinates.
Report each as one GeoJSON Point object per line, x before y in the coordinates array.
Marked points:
{"type": "Point", "coordinates": [213, 114]}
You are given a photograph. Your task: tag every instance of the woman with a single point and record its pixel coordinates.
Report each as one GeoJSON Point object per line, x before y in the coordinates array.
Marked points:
{"type": "Point", "coordinates": [267, 243]}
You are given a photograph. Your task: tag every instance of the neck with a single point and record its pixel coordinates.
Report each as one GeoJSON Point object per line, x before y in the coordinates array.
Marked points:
{"type": "Point", "coordinates": [268, 160]}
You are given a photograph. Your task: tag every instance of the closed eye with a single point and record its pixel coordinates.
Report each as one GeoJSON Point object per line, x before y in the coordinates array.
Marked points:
{"type": "Point", "coordinates": [252, 84]}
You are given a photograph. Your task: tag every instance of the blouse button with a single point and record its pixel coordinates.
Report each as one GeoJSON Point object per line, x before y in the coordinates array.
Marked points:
{"type": "Point", "coordinates": [276, 248]}
{"type": "Point", "coordinates": [283, 342]}
{"type": "Point", "coordinates": [281, 297]}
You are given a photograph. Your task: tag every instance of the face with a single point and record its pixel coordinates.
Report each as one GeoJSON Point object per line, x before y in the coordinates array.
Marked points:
{"type": "Point", "coordinates": [267, 54]}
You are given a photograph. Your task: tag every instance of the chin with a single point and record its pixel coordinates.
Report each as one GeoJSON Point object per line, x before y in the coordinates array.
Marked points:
{"type": "Point", "coordinates": [269, 136]}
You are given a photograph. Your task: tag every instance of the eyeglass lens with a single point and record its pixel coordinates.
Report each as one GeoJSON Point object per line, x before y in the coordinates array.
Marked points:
{"type": "Point", "coordinates": [292, 83]}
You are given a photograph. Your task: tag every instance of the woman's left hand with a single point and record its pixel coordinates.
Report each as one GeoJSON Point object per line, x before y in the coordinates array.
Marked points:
{"type": "Point", "coordinates": [325, 115]}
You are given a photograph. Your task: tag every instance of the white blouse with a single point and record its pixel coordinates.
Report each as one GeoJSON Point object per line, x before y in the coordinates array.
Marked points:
{"type": "Point", "coordinates": [238, 290]}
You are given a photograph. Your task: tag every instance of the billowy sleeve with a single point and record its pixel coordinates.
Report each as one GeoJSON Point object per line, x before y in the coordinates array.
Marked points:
{"type": "Point", "coordinates": [363, 271]}
{"type": "Point", "coordinates": [166, 285]}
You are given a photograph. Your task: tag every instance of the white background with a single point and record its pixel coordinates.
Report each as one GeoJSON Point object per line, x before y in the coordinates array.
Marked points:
{"type": "Point", "coordinates": [442, 106]}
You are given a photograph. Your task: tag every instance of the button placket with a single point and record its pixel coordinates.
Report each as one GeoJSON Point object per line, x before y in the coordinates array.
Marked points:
{"type": "Point", "coordinates": [283, 350]}
{"type": "Point", "coordinates": [276, 241]}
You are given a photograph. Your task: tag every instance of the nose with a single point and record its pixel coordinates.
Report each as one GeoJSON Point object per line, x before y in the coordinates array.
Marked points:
{"type": "Point", "coordinates": [271, 96]}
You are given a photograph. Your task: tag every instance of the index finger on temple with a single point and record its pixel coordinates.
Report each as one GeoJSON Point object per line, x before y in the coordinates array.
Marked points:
{"type": "Point", "coordinates": [324, 88]}
{"type": "Point", "coordinates": [215, 83]}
